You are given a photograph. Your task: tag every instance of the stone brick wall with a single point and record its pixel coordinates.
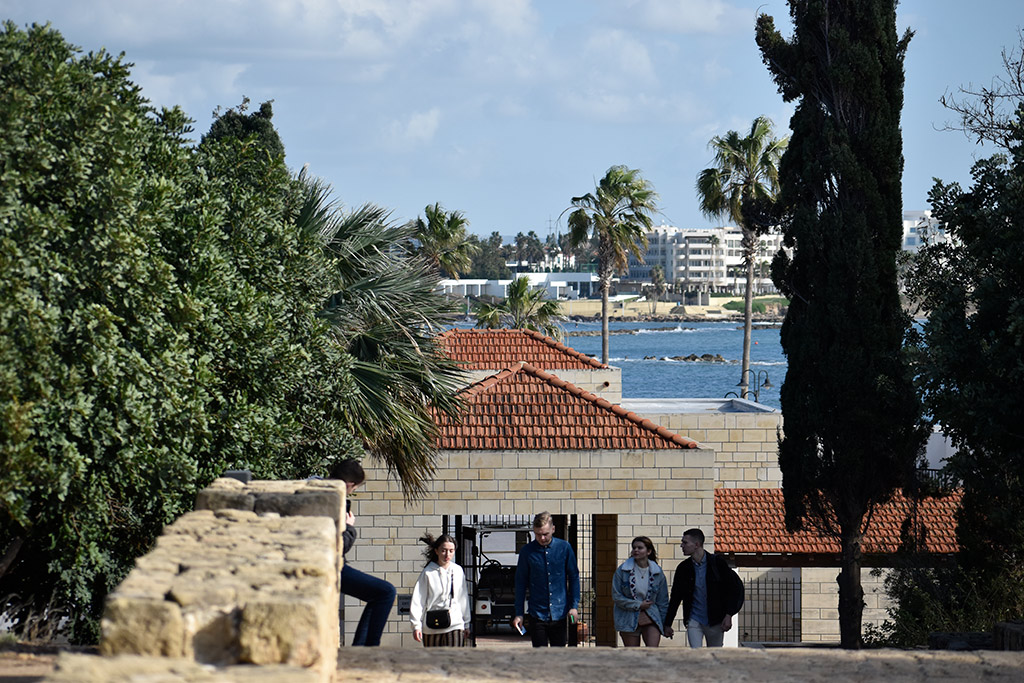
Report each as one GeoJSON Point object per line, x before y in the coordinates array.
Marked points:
{"type": "Point", "coordinates": [820, 602]}
{"type": "Point", "coordinates": [654, 493]}
{"type": "Point", "coordinates": [745, 444]}
{"type": "Point", "coordinates": [253, 581]}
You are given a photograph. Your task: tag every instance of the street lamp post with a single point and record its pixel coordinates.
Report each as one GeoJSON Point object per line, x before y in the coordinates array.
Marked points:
{"type": "Point", "coordinates": [758, 386]}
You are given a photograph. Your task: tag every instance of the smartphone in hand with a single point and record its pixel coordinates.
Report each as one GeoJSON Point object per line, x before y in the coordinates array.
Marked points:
{"type": "Point", "coordinates": [522, 631]}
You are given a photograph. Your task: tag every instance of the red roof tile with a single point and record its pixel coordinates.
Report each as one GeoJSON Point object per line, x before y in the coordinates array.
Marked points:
{"type": "Point", "coordinates": [524, 408]}
{"type": "Point", "coordinates": [497, 349]}
{"type": "Point", "coordinates": [753, 521]}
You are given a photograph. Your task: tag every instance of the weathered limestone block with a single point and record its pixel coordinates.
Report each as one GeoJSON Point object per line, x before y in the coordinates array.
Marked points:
{"type": "Point", "coordinates": [78, 668]}
{"type": "Point", "coordinates": [142, 625]}
{"type": "Point", "coordinates": [284, 631]}
{"type": "Point", "coordinates": [231, 586]}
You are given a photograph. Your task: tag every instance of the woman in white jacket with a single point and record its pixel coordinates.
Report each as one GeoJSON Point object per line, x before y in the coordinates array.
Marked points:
{"type": "Point", "coordinates": [441, 588]}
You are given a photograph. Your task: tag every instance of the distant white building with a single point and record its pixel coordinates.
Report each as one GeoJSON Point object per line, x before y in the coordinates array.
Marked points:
{"type": "Point", "coordinates": [564, 286]}
{"type": "Point", "coordinates": [919, 229]}
{"type": "Point", "coordinates": [705, 259]}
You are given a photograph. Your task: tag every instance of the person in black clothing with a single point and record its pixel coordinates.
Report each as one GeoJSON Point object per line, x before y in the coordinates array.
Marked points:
{"type": "Point", "coordinates": [711, 592]}
{"type": "Point", "coordinates": [378, 594]}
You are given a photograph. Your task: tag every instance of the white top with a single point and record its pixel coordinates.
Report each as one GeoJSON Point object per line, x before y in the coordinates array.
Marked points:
{"type": "Point", "coordinates": [641, 581]}
{"type": "Point", "coordinates": [432, 591]}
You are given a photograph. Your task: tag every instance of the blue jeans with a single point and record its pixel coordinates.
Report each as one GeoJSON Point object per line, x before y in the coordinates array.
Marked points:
{"type": "Point", "coordinates": [379, 596]}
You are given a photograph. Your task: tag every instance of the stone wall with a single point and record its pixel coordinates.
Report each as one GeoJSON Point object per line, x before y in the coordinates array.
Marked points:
{"type": "Point", "coordinates": [820, 602]}
{"type": "Point", "coordinates": [746, 444]}
{"type": "Point", "coordinates": [653, 493]}
{"type": "Point", "coordinates": [251, 579]}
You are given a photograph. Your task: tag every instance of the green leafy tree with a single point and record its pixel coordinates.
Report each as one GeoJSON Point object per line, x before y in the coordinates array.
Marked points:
{"type": "Point", "coordinates": [617, 215]}
{"type": "Point", "coordinates": [971, 365]}
{"type": "Point", "coordinates": [746, 169]}
{"type": "Point", "coordinates": [853, 429]}
{"type": "Point", "coordinates": [161, 323]}
{"type": "Point", "coordinates": [488, 261]}
{"type": "Point", "coordinates": [235, 123]}
{"type": "Point", "coordinates": [523, 308]}
{"type": "Point", "coordinates": [441, 241]}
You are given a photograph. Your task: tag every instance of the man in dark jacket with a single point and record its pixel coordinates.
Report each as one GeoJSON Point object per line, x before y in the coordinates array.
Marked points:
{"type": "Point", "coordinates": [711, 592]}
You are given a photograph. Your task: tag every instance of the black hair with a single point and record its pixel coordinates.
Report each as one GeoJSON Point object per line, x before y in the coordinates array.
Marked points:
{"type": "Point", "coordinates": [349, 471]}
{"type": "Point", "coordinates": [434, 543]}
{"type": "Point", "coordinates": [695, 534]}
{"type": "Point", "coordinates": [652, 554]}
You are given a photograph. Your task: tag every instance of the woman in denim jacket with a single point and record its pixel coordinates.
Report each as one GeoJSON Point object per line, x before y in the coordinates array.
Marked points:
{"type": "Point", "coordinates": [640, 592]}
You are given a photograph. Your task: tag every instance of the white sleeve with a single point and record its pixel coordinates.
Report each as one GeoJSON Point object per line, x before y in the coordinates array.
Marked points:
{"type": "Point", "coordinates": [420, 593]}
{"type": "Point", "coordinates": [467, 607]}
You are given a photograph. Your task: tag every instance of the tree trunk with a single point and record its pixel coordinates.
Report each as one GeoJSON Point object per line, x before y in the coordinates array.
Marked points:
{"type": "Point", "coordinates": [748, 315]}
{"type": "Point", "coordinates": [604, 322]}
{"type": "Point", "coordinates": [851, 593]}
{"type": "Point", "coordinates": [10, 553]}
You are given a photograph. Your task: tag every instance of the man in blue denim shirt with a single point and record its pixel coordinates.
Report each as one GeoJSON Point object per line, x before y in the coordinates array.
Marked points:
{"type": "Point", "coordinates": [547, 567]}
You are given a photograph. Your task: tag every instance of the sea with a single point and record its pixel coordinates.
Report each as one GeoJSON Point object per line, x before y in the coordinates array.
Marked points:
{"type": "Point", "coordinates": [645, 352]}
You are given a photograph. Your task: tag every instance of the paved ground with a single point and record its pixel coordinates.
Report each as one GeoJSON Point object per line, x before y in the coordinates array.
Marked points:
{"type": "Point", "coordinates": [606, 665]}
{"type": "Point", "coordinates": [499, 662]}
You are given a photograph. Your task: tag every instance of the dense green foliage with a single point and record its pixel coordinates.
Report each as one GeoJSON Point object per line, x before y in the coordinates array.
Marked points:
{"type": "Point", "coordinates": [746, 171]}
{"type": "Point", "coordinates": [488, 263]}
{"type": "Point", "coordinates": [853, 428]}
{"type": "Point", "coordinates": [522, 308]}
{"type": "Point", "coordinates": [617, 215]}
{"type": "Point", "coordinates": [163, 317]}
{"type": "Point", "coordinates": [971, 373]}
{"type": "Point", "coordinates": [236, 124]}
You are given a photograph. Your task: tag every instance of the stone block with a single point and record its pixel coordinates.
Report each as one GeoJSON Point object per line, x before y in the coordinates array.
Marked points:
{"type": "Point", "coordinates": [284, 632]}
{"type": "Point", "coordinates": [142, 626]}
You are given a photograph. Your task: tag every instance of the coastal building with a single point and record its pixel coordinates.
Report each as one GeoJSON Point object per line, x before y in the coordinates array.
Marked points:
{"type": "Point", "coordinates": [705, 259]}
{"type": "Point", "coordinates": [558, 286]}
{"type": "Point", "coordinates": [921, 228]}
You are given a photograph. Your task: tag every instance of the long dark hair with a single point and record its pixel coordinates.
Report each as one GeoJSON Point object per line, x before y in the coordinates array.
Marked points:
{"type": "Point", "coordinates": [652, 553]}
{"type": "Point", "coordinates": [434, 543]}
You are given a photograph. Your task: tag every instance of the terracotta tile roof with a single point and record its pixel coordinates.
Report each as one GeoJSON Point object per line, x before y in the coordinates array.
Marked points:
{"type": "Point", "coordinates": [753, 521]}
{"type": "Point", "coordinates": [497, 349]}
{"type": "Point", "coordinates": [524, 408]}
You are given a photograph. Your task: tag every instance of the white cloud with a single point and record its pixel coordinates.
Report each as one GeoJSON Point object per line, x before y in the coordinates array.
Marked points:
{"type": "Point", "coordinates": [688, 16]}
{"type": "Point", "coordinates": [418, 129]}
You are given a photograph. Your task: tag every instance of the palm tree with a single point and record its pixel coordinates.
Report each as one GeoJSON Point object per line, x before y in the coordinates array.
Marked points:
{"type": "Point", "coordinates": [386, 315]}
{"type": "Point", "coordinates": [523, 308]}
{"type": "Point", "coordinates": [441, 240]}
{"type": "Point", "coordinates": [746, 169]}
{"type": "Point", "coordinates": [618, 214]}
{"type": "Point", "coordinates": [657, 287]}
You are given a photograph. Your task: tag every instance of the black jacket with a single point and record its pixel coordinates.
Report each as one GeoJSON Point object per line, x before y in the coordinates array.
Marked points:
{"type": "Point", "coordinates": [725, 590]}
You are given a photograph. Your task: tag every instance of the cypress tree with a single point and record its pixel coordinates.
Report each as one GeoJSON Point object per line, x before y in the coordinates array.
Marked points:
{"type": "Point", "coordinates": [853, 429]}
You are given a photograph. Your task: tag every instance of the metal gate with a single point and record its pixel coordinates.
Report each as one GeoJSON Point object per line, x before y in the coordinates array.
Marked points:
{"type": "Point", "coordinates": [473, 532]}
{"type": "Point", "coordinates": [771, 611]}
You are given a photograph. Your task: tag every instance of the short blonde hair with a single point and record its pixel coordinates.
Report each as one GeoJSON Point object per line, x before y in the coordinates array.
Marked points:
{"type": "Point", "coordinates": [542, 519]}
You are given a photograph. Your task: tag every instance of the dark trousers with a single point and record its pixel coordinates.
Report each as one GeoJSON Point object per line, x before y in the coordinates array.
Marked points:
{"type": "Point", "coordinates": [544, 633]}
{"type": "Point", "coordinates": [379, 596]}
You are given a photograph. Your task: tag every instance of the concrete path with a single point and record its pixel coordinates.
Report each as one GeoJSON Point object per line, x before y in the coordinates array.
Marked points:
{"type": "Point", "coordinates": [606, 665]}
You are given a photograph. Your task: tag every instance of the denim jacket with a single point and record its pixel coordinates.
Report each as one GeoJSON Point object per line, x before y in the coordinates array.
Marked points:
{"type": "Point", "coordinates": [627, 608]}
{"type": "Point", "coordinates": [552, 577]}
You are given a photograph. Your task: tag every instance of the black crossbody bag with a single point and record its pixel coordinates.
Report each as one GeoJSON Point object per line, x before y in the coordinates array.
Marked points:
{"type": "Point", "coordinates": [438, 619]}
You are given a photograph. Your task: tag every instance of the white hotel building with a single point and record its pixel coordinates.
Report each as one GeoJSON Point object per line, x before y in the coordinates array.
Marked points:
{"type": "Point", "coordinates": [705, 259]}
{"type": "Point", "coordinates": [711, 259]}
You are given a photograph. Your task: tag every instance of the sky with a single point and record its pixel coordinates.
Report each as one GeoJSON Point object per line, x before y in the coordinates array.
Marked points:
{"type": "Point", "coordinates": [506, 109]}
